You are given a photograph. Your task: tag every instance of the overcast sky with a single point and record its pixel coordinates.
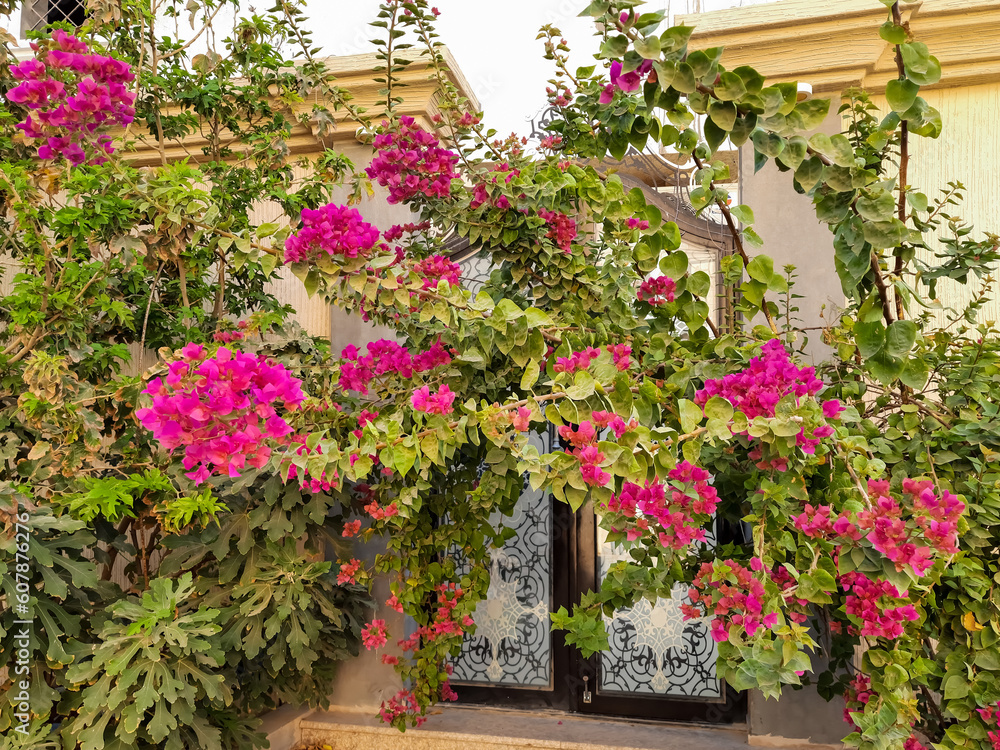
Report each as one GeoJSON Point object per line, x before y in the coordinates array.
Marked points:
{"type": "Point", "coordinates": [492, 40]}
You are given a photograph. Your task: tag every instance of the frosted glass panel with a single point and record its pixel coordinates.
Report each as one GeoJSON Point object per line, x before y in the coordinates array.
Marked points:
{"type": "Point", "coordinates": [512, 644]}
{"type": "Point", "coordinates": [654, 651]}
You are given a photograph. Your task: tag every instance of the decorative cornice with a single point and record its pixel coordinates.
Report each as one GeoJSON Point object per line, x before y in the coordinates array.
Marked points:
{"type": "Point", "coordinates": [353, 73]}
{"type": "Point", "coordinates": [835, 45]}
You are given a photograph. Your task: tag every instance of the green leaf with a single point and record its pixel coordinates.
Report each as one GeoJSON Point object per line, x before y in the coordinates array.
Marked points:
{"type": "Point", "coordinates": [954, 687]}
{"type": "Point", "coordinates": [768, 144]}
{"type": "Point", "coordinates": [690, 415]}
{"type": "Point", "coordinates": [870, 337]}
{"type": "Point", "coordinates": [795, 152]}
{"type": "Point", "coordinates": [900, 337]}
{"type": "Point", "coordinates": [675, 264]}
{"type": "Point", "coordinates": [583, 386]}
{"type": "Point", "coordinates": [719, 408]}
{"type": "Point", "coordinates": [809, 173]}
{"type": "Point", "coordinates": [901, 94]}
{"type": "Point", "coordinates": [730, 87]}
{"type": "Point", "coordinates": [714, 135]}
{"type": "Point", "coordinates": [923, 119]}
{"type": "Point", "coordinates": [648, 48]}
{"type": "Point", "coordinates": [684, 79]}
{"type": "Point", "coordinates": [742, 213]}
{"type": "Point", "coordinates": [813, 112]}
{"type": "Point", "coordinates": [918, 201]}
{"type": "Point", "coordinates": [699, 284]}
{"type": "Point", "coordinates": [530, 376]}
{"type": "Point", "coordinates": [761, 269]}
{"type": "Point", "coordinates": [885, 368]}
{"type": "Point", "coordinates": [915, 374]}
{"type": "Point", "coordinates": [886, 234]}
{"type": "Point", "coordinates": [876, 206]}
{"type": "Point", "coordinates": [723, 114]}
{"type": "Point", "coordinates": [892, 33]}
{"type": "Point", "coordinates": [404, 457]}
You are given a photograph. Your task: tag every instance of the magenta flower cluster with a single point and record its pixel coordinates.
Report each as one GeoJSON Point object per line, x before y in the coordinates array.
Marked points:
{"type": "Point", "coordinates": [991, 715]}
{"type": "Point", "coordinates": [907, 534]}
{"type": "Point", "coordinates": [433, 403]}
{"type": "Point", "coordinates": [72, 94]}
{"type": "Point", "coordinates": [221, 408]}
{"type": "Point", "coordinates": [674, 514]}
{"type": "Point", "coordinates": [657, 291]}
{"type": "Point", "coordinates": [409, 161]}
{"type": "Point", "coordinates": [756, 390]}
{"type": "Point", "coordinates": [584, 447]}
{"type": "Point", "coordinates": [333, 231]}
{"type": "Point", "coordinates": [877, 605]}
{"type": "Point", "coordinates": [386, 357]}
{"type": "Point", "coordinates": [576, 361]}
{"type": "Point", "coordinates": [438, 268]}
{"type": "Point", "coordinates": [627, 82]}
{"type": "Point", "coordinates": [732, 595]}
{"type": "Point", "coordinates": [562, 229]}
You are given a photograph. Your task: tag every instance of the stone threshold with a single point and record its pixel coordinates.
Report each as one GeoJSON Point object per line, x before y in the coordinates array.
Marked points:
{"type": "Point", "coordinates": [478, 728]}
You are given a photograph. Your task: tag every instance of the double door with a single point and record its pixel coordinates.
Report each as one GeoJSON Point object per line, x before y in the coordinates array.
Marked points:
{"type": "Point", "coordinates": [659, 666]}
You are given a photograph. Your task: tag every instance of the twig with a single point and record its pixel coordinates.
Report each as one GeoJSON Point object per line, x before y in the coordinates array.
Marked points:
{"type": "Point", "coordinates": [739, 243]}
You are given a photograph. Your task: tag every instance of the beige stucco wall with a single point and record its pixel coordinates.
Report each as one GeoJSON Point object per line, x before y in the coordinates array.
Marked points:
{"type": "Point", "coordinates": [967, 151]}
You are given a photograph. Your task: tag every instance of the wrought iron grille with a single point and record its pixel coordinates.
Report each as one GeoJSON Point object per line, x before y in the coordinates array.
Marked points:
{"type": "Point", "coordinates": [36, 14]}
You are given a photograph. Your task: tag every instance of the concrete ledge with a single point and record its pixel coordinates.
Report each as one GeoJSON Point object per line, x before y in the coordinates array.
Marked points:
{"type": "Point", "coordinates": [461, 728]}
{"type": "Point", "coordinates": [282, 726]}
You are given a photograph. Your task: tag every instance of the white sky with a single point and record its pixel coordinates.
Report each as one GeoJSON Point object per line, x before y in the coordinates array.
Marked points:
{"type": "Point", "coordinates": [492, 40]}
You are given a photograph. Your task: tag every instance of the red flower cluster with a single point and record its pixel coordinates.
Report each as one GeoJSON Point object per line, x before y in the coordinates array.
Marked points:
{"type": "Point", "coordinates": [401, 704]}
{"type": "Point", "coordinates": [605, 419]}
{"type": "Point", "coordinates": [373, 635]}
{"type": "Point", "coordinates": [798, 610]}
{"type": "Point", "coordinates": [348, 572]}
{"type": "Point", "coordinates": [436, 268]}
{"type": "Point", "coordinates": [907, 536]}
{"type": "Point", "coordinates": [396, 231]}
{"type": "Point", "coordinates": [576, 361]}
{"type": "Point", "coordinates": [309, 482]}
{"type": "Point", "coordinates": [562, 229]}
{"type": "Point", "coordinates": [621, 354]}
{"type": "Point", "coordinates": [337, 231]}
{"type": "Point", "coordinates": [221, 408]}
{"type": "Point", "coordinates": [878, 605]}
{"type": "Point", "coordinates": [991, 715]}
{"type": "Point", "coordinates": [856, 697]}
{"type": "Point", "coordinates": [816, 522]}
{"type": "Point", "coordinates": [584, 442]}
{"type": "Point", "coordinates": [657, 291]}
{"type": "Point", "coordinates": [444, 624]}
{"type": "Point", "coordinates": [481, 196]}
{"type": "Point", "coordinates": [674, 514]}
{"type": "Point", "coordinates": [72, 94]}
{"type": "Point", "coordinates": [733, 595]}
{"type": "Point", "coordinates": [410, 162]}
{"type": "Point", "coordinates": [384, 357]}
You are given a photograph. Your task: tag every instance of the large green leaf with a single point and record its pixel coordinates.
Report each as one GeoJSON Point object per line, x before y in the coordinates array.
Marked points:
{"type": "Point", "coordinates": [901, 94]}
{"type": "Point", "coordinates": [900, 337]}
